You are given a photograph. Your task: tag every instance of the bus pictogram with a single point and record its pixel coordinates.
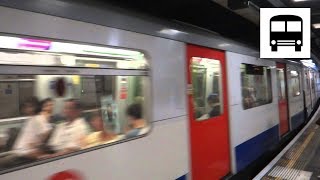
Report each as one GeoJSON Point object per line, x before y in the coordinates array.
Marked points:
{"type": "Point", "coordinates": [286, 30]}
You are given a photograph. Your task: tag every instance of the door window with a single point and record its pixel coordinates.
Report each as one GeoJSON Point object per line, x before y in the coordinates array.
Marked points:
{"type": "Point", "coordinates": [281, 83]}
{"type": "Point", "coordinates": [295, 83]}
{"type": "Point", "coordinates": [206, 84]}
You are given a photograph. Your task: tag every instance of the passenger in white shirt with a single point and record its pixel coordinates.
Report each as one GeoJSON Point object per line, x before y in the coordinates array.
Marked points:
{"type": "Point", "coordinates": [35, 132]}
{"type": "Point", "coordinates": [69, 136]}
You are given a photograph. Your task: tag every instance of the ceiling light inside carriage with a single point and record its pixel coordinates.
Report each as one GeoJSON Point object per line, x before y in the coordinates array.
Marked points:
{"type": "Point", "coordinates": [9, 42]}
{"type": "Point", "coordinates": [68, 60]}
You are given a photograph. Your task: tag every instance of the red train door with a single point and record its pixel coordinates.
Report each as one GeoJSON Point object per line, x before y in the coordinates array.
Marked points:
{"type": "Point", "coordinates": [283, 98]}
{"type": "Point", "coordinates": [208, 113]}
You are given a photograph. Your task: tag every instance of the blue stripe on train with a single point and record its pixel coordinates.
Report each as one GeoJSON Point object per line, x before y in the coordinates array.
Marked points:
{"type": "Point", "coordinates": [297, 120]}
{"type": "Point", "coordinates": [184, 177]}
{"type": "Point", "coordinates": [252, 149]}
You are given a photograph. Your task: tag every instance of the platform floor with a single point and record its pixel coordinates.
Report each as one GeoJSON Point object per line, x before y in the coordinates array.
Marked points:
{"type": "Point", "coordinates": [300, 160]}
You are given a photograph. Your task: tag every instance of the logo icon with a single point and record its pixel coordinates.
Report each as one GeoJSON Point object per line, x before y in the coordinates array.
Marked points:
{"type": "Point", "coordinates": [286, 30]}
{"type": "Point", "coordinates": [285, 33]}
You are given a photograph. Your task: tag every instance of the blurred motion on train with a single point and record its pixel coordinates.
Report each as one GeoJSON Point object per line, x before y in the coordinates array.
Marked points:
{"type": "Point", "coordinates": [139, 104]}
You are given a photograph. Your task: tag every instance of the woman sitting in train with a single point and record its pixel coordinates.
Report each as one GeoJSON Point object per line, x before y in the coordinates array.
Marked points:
{"type": "Point", "coordinates": [99, 135]}
{"type": "Point", "coordinates": [136, 122]}
{"type": "Point", "coordinates": [35, 132]}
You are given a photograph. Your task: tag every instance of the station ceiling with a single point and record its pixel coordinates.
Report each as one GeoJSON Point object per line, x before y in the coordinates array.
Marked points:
{"type": "Point", "coordinates": [235, 19]}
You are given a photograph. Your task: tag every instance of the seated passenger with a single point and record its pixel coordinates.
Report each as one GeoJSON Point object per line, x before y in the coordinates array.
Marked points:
{"type": "Point", "coordinates": [30, 107]}
{"type": "Point", "coordinates": [69, 136]}
{"type": "Point", "coordinates": [253, 95]}
{"type": "Point", "coordinates": [136, 123]}
{"type": "Point", "coordinates": [35, 132]}
{"type": "Point", "coordinates": [247, 100]}
{"type": "Point", "coordinates": [99, 134]}
{"type": "Point", "coordinates": [214, 104]}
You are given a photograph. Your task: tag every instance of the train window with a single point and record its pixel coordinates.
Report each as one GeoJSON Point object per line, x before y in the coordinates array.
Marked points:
{"type": "Point", "coordinates": [312, 82]}
{"type": "Point", "coordinates": [47, 112]}
{"type": "Point", "coordinates": [307, 80]}
{"type": "Point", "coordinates": [281, 83]}
{"type": "Point", "coordinates": [295, 83]}
{"type": "Point", "coordinates": [256, 85]}
{"type": "Point", "coordinates": [207, 93]}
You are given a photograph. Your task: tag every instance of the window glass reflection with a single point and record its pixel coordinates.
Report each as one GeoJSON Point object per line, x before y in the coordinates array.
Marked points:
{"type": "Point", "coordinates": [52, 115]}
{"type": "Point", "coordinates": [206, 83]}
{"type": "Point", "coordinates": [281, 83]}
{"type": "Point", "coordinates": [295, 83]}
{"type": "Point", "coordinates": [256, 85]}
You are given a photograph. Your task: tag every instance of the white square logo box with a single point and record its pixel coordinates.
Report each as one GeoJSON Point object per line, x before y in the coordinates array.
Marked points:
{"type": "Point", "coordinates": [285, 33]}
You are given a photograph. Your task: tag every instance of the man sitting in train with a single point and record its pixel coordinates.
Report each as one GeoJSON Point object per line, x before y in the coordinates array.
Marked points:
{"type": "Point", "coordinates": [100, 135]}
{"type": "Point", "coordinates": [136, 122]}
{"type": "Point", "coordinates": [214, 105]}
{"type": "Point", "coordinates": [68, 136]}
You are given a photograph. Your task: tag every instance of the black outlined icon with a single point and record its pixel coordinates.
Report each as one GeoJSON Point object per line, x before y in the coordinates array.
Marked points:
{"type": "Point", "coordinates": [286, 30]}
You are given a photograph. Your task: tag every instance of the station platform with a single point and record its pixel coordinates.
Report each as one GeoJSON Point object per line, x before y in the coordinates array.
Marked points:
{"type": "Point", "coordinates": [300, 159]}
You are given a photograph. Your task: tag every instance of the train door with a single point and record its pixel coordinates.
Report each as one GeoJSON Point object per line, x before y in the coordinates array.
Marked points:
{"type": "Point", "coordinates": [283, 98]}
{"type": "Point", "coordinates": [307, 91]}
{"type": "Point", "coordinates": [295, 96]}
{"type": "Point", "coordinates": [208, 113]}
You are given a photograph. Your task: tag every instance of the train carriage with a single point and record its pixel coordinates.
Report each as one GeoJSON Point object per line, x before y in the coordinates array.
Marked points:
{"type": "Point", "coordinates": [210, 106]}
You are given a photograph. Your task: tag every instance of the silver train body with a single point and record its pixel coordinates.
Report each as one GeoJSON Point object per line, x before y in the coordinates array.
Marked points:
{"type": "Point", "coordinates": [164, 152]}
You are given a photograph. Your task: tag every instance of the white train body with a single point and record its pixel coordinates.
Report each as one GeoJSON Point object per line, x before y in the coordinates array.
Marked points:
{"type": "Point", "coordinates": [165, 151]}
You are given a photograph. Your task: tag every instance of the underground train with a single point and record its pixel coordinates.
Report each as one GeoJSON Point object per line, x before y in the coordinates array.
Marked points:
{"type": "Point", "coordinates": [134, 97]}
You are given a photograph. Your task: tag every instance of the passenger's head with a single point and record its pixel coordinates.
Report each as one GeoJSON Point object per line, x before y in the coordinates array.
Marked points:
{"type": "Point", "coordinates": [72, 109]}
{"type": "Point", "coordinates": [96, 122]}
{"type": "Point", "coordinates": [109, 108]}
{"type": "Point", "coordinates": [212, 99]}
{"type": "Point", "coordinates": [47, 105]}
{"type": "Point", "coordinates": [134, 112]}
{"type": "Point", "coordinates": [30, 106]}
{"type": "Point", "coordinates": [245, 92]}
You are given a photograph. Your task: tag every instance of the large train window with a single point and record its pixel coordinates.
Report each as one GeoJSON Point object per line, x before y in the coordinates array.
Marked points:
{"type": "Point", "coordinates": [206, 82]}
{"type": "Point", "coordinates": [94, 100]}
{"type": "Point", "coordinates": [295, 83]}
{"type": "Point", "coordinates": [256, 85]}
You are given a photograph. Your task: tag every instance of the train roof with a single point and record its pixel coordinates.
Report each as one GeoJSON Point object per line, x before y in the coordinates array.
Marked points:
{"type": "Point", "coordinates": [115, 17]}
